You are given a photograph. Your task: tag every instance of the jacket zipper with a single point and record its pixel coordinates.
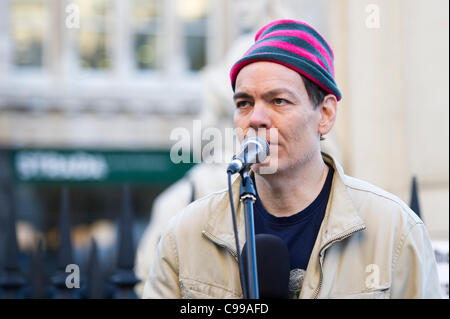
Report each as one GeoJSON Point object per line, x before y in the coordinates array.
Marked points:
{"type": "Point", "coordinates": [220, 243]}
{"type": "Point", "coordinates": [223, 244]}
{"type": "Point", "coordinates": [329, 243]}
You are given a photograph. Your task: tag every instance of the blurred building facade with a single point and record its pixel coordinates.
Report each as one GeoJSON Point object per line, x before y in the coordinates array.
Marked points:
{"type": "Point", "coordinates": [103, 76]}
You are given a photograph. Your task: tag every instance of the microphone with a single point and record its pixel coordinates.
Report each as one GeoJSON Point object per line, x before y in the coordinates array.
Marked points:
{"type": "Point", "coordinates": [273, 266]}
{"type": "Point", "coordinates": [254, 149]}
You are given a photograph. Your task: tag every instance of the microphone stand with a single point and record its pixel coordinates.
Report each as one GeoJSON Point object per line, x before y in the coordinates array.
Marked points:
{"type": "Point", "coordinates": [248, 197]}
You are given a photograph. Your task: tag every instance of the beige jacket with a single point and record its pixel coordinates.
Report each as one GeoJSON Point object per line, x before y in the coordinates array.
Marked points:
{"type": "Point", "coordinates": [370, 245]}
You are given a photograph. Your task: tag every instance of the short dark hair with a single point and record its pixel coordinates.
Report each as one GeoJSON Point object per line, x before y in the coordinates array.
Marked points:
{"type": "Point", "coordinates": [315, 93]}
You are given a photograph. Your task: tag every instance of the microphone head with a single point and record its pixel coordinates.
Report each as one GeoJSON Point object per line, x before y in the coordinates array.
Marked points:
{"type": "Point", "coordinates": [273, 265]}
{"type": "Point", "coordinates": [254, 149]}
{"type": "Point", "coordinates": [256, 145]}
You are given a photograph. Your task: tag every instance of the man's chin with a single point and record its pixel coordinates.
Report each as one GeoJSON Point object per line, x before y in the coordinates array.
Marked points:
{"type": "Point", "coordinates": [266, 168]}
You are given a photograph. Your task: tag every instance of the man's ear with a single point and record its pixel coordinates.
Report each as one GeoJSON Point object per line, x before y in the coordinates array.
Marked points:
{"type": "Point", "coordinates": [328, 110]}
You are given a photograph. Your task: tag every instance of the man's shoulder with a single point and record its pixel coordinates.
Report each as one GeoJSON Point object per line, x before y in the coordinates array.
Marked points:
{"type": "Point", "coordinates": [371, 199]}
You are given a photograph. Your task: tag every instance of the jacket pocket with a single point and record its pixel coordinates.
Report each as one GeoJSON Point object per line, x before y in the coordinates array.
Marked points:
{"type": "Point", "coordinates": [380, 293]}
{"type": "Point", "coordinates": [193, 289]}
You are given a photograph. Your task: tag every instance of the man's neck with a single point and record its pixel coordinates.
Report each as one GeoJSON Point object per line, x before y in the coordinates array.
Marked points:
{"type": "Point", "coordinates": [289, 192]}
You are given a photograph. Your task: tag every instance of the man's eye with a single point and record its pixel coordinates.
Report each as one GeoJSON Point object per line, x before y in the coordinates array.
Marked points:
{"type": "Point", "coordinates": [242, 104]}
{"type": "Point", "coordinates": [280, 101]}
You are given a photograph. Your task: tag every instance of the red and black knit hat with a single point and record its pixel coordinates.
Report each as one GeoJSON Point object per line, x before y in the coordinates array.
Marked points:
{"type": "Point", "coordinates": [297, 46]}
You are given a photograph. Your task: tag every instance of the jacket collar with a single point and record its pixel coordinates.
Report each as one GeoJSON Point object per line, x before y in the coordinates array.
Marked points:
{"type": "Point", "coordinates": [219, 226]}
{"type": "Point", "coordinates": [341, 217]}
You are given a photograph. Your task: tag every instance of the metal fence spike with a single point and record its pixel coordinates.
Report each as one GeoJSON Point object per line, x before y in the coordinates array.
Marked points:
{"type": "Point", "coordinates": [124, 278]}
{"type": "Point", "coordinates": [65, 244]}
{"type": "Point", "coordinates": [65, 257]}
{"type": "Point", "coordinates": [11, 280]}
{"type": "Point", "coordinates": [95, 277]}
{"type": "Point", "coordinates": [38, 276]}
{"type": "Point", "coordinates": [414, 203]}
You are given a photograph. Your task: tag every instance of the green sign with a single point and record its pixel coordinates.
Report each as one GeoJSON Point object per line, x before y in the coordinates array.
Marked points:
{"type": "Point", "coordinates": [33, 165]}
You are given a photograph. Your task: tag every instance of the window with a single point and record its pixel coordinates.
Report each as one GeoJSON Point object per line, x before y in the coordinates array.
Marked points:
{"type": "Point", "coordinates": [28, 32]}
{"type": "Point", "coordinates": [145, 22]}
{"type": "Point", "coordinates": [94, 35]}
{"type": "Point", "coordinates": [193, 16]}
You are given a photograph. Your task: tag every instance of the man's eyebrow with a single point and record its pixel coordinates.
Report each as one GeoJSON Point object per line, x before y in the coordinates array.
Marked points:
{"type": "Point", "coordinates": [241, 95]}
{"type": "Point", "coordinates": [267, 95]}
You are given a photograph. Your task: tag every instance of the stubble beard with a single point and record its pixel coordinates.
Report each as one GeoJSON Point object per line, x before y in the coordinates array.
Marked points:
{"type": "Point", "coordinates": [289, 166]}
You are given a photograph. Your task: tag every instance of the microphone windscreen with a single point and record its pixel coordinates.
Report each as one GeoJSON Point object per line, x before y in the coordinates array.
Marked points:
{"type": "Point", "coordinates": [273, 266]}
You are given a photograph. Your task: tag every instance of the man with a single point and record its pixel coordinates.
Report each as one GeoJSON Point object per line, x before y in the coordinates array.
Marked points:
{"type": "Point", "coordinates": [346, 238]}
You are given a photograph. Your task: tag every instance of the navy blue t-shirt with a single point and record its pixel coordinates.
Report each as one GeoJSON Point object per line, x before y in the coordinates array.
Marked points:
{"type": "Point", "coordinates": [298, 231]}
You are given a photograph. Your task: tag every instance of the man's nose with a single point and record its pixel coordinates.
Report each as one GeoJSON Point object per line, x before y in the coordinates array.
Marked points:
{"type": "Point", "coordinates": [260, 117]}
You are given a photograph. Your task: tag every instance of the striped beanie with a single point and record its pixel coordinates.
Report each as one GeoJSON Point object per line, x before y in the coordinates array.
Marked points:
{"type": "Point", "coordinates": [297, 46]}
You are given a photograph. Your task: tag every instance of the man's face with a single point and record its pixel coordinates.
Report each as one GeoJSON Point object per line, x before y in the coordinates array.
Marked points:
{"type": "Point", "coordinates": [269, 95]}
